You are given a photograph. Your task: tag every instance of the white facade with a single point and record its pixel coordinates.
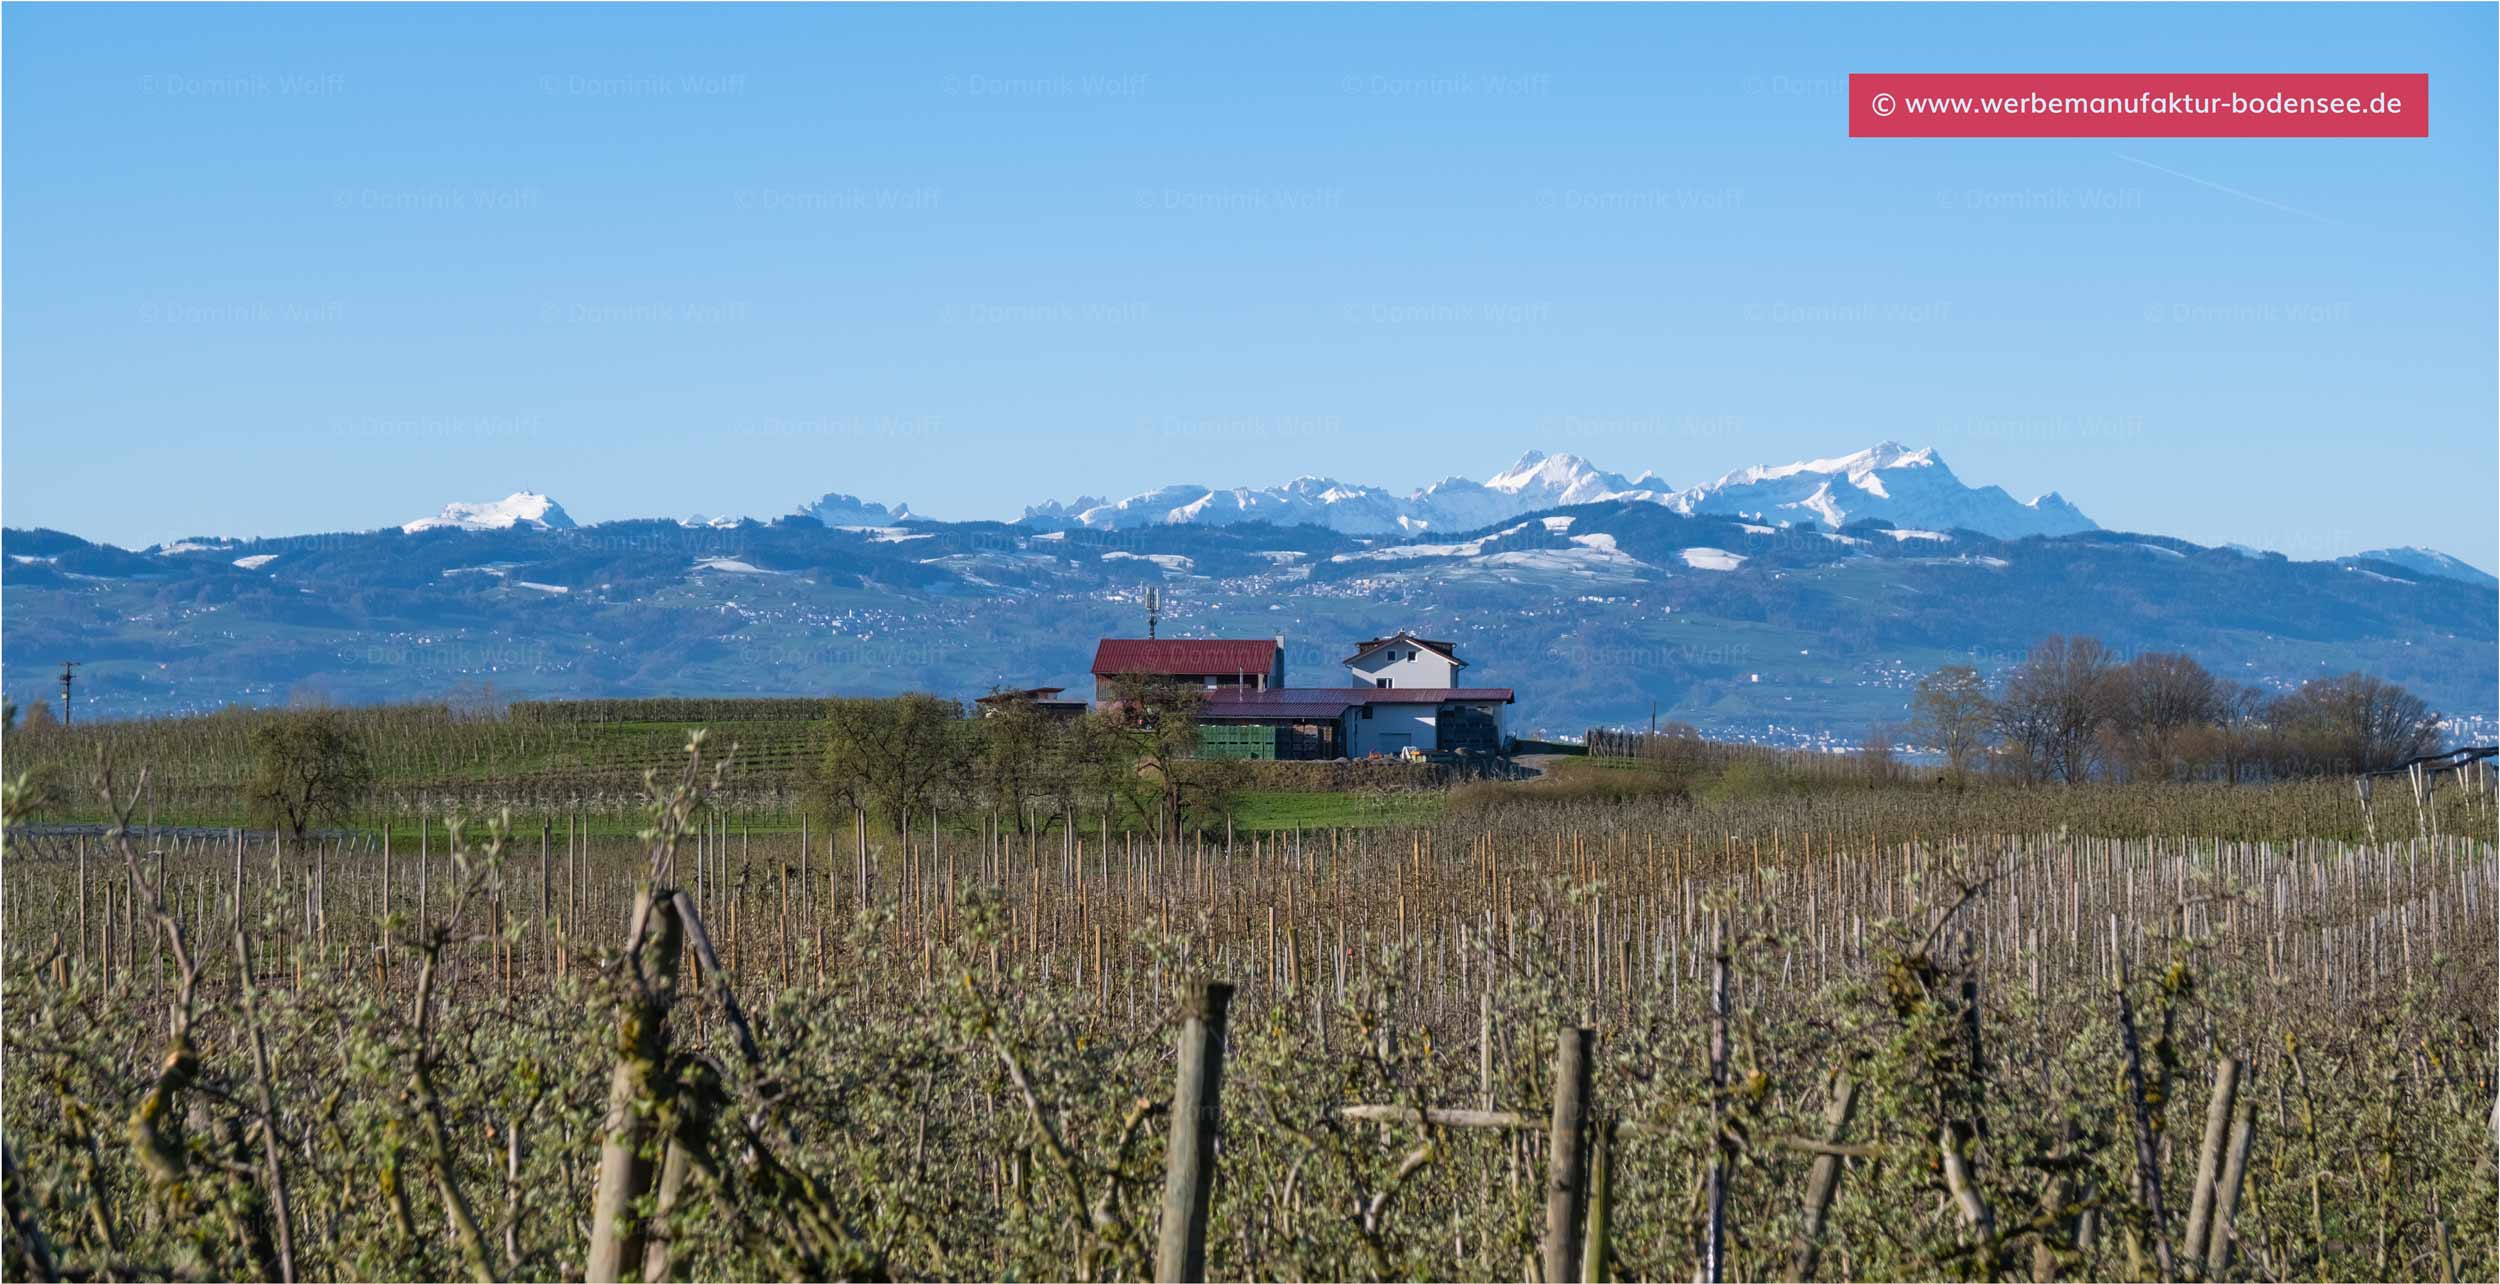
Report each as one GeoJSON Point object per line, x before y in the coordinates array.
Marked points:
{"type": "Point", "coordinates": [1391, 728]}
{"type": "Point", "coordinates": [1405, 665]}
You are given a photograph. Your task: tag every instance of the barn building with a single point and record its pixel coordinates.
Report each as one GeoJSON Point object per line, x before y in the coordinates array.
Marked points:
{"type": "Point", "coordinates": [1217, 664]}
{"type": "Point", "coordinates": [1401, 692]}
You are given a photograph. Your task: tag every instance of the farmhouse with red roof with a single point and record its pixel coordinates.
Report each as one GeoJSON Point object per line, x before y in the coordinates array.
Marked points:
{"type": "Point", "coordinates": [1401, 693]}
{"type": "Point", "coordinates": [1218, 664]}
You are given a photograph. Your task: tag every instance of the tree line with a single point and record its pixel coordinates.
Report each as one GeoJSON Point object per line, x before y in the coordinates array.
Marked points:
{"type": "Point", "coordinates": [904, 757]}
{"type": "Point", "coordinates": [2072, 710]}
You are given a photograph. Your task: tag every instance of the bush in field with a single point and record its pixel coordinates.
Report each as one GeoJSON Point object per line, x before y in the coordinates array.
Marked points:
{"type": "Point", "coordinates": [895, 757]}
{"type": "Point", "coordinates": [306, 769]}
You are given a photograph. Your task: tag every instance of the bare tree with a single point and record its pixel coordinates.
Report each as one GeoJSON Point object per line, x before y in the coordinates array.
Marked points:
{"type": "Point", "coordinates": [2239, 728]}
{"type": "Point", "coordinates": [2055, 705]}
{"type": "Point", "coordinates": [1878, 753]}
{"type": "Point", "coordinates": [1952, 711]}
{"type": "Point", "coordinates": [2354, 723]}
{"type": "Point", "coordinates": [899, 756]}
{"type": "Point", "coordinates": [1016, 751]}
{"type": "Point", "coordinates": [2160, 701]}
{"type": "Point", "coordinates": [1157, 718]}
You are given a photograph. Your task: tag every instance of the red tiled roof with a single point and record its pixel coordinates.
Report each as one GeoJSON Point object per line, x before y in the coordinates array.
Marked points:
{"type": "Point", "coordinates": [1184, 657]}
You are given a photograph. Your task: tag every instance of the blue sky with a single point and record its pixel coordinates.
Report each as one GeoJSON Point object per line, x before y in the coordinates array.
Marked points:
{"type": "Point", "coordinates": [273, 270]}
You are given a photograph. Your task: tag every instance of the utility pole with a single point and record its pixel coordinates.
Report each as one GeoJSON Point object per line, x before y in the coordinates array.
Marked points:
{"type": "Point", "coordinates": [66, 677]}
{"type": "Point", "coordinates": [1154, 608]}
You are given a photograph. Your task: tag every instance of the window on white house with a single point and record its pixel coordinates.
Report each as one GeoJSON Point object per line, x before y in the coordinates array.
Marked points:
{"type": "Point", "coordinates": [1381, 682]}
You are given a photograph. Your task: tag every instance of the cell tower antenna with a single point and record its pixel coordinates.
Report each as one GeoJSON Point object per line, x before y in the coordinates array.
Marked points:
{"type": "Point", "coordinates": [66, 678]}
{"type": "Point", "coordinates": [1154, 611]}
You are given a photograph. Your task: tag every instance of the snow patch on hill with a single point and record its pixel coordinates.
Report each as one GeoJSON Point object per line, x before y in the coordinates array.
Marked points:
{"type": "Point", "coordinates": [2429, 561]}
{"type": "Point", "coordinates": [731, 565]}
{"type": "Point", "coordinates": [1168, 561]}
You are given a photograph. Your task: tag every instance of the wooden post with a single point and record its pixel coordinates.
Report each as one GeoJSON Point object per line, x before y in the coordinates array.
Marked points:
{"type": "Point", "coordinates": [2147, 1155]}
{"type": "Point", "coordinates": [1823, 1179]}
{"type": "Point", "coordinates": [1714, 1235]}
{"type": "Point", "coordinates": [546, 893]}
{"type": "Point", "coordinates": [2227, 1196]}
{"type": "Point", "coordinates": [626, 1171]}
{"type": "Point", "coordinates": [2209, 1157]}
{"type": "Point", "coordinates": [2044, 1264]}
{"type": "Point", "coordinates": [1593, 1263]}
{"type": "Point", "coordinates": [382, 948]}
{"type": "Point", "coordinates": [1189, 1164]}
{"type": "Point", "coordinates": [1484, 1047]}
{"type": "Point", "coordinates": [1566, 1165]}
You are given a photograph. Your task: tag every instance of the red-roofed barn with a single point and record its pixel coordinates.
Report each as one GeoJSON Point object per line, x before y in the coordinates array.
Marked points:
{"type": "Point", "coordinates": [1218, 664]}
{"type": "Point", "coordinates": [1401, 694]}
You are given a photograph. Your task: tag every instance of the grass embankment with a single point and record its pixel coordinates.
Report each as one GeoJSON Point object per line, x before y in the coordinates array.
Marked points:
{"type": "Point", "coordinates": [433, 761]}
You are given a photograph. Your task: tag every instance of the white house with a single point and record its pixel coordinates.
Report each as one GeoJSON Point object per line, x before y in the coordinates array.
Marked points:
{"type": "Point", "coordinates": [1402, 694]}
{"type": "Point", "coordinates": [1403, 661]}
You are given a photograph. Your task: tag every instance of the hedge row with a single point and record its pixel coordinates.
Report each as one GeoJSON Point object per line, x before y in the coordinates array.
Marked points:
{"type": "Point", "coordinates": [669, 709]}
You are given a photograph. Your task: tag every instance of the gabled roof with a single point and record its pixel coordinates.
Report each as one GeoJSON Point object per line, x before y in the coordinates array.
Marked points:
{"type": "Point", "coordinates": [1446, 650]}
{"type": "Point", "coordinates": [1184, 657]}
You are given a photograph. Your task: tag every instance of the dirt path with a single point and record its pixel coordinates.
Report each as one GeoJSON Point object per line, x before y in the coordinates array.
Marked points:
{"type": "Point", "coordinates": [1536, 763]}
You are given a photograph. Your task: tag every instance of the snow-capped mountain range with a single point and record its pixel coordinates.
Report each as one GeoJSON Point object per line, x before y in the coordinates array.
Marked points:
{"type": "Point", "coordinates": [1910, 489]}
{"type": "Point", "coordinates": [1887, 481]}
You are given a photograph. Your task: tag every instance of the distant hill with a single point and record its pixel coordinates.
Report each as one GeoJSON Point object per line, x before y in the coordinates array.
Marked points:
{"type": "Point", "coordinates": [1790, 634]}
{"type": "Point", "coordinates": [2426, 561]}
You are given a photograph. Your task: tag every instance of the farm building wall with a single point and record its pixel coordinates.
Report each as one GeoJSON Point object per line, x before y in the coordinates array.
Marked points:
{"type": "Point", "coordinates": [1475, 726]}
{"type": "Point", "coordinates": [1391, 728]}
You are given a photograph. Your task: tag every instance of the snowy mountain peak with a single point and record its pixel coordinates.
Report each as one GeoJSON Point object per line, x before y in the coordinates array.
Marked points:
{"type": "Point", "coordinates": [838, 509]}
{"type": "Point", "coordinates": [1908, 487]}
{"type": "Point", "coordinates": [520, 508]}
{"type": "Point", "coordinates": [2428, 561]}
{"type": "Point", "coordinates": [1567, 479]}
{"type": "Point", "coordinates": [1892, 454]}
